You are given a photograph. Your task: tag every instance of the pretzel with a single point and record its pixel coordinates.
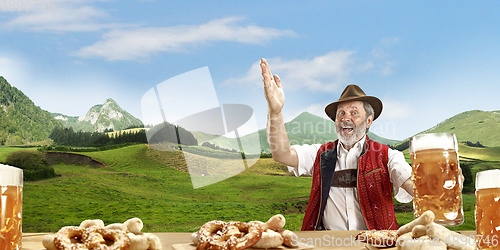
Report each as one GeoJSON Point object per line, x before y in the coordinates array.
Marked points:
{"type": "Point", "coordinates": [210, 236]}
{"type": "Point", "coordinates": [63, 238]}
{"type": "Point", "coordinates": [94, 235]}
{"type": "Point", "coordinates": [253, 232]}
{"type": "Point", "coordinates": [233, 235]}
{"type": "Point", "coordinates": [98, 237]}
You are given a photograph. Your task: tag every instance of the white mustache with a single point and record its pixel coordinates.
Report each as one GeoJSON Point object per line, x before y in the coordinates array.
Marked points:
{"type": "Point", "coordinates": [347, 125]}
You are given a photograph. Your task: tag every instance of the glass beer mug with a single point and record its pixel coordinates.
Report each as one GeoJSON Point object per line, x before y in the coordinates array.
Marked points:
{"type": "Point", "coordinates": [488, 209]}
{"type": "Point", "coordinates": [436, 177]}
{"type": "Point", "coordinates": [11, 185]}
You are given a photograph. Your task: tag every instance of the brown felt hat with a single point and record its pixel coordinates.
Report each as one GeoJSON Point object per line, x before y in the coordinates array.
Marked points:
{"type": "Point", "coordinates": [354, 93]}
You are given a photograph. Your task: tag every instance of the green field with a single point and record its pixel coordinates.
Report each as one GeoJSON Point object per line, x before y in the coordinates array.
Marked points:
{"type": "Point", "coordinates": [155, 186]}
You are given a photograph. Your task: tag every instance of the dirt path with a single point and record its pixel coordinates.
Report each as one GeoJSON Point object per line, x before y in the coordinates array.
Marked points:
{"type": "Point", "coordinates": [72, 158]}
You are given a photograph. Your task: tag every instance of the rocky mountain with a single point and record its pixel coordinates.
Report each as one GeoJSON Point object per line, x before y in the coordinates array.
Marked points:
{"type": "Point", "coordinates": [473, 126]}
{"type": "Point", "coordinates": [21, 121]}
{"type": "Point", "coordinates": [100, 117]}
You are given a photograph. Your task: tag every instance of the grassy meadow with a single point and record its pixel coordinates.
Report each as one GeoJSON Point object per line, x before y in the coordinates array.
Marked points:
{"type": "Point", "coordinates": [156, 187]}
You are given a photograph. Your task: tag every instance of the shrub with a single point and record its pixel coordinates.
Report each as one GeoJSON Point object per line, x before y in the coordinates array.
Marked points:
{"type": "Point", "coordinates": [39, 173]}
{"type": "Point", "coordinates": [466, 171]}
{"type": "Point", "coordinates": [477, 144]}
{"type": "Point", "coordinates": [32, 162]}
{"type": "Point", "coordinates": [26, 159]}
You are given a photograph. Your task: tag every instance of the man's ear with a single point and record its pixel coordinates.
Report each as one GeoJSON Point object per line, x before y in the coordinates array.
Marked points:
{"type": "Point", "coordinates": [369, 121]}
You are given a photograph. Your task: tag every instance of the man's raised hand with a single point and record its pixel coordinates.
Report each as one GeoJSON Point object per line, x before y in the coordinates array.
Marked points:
{"type": "Point", "coordinates": [272, 88]}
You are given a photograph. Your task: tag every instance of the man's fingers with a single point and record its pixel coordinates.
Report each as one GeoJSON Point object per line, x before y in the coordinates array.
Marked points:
{"type": "Point", "coordinates": [277, 80]}
{"type": "Point", "coordinates": [266, 72]}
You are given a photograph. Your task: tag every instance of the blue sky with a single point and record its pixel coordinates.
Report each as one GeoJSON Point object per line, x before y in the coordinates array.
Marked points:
{"type": "Point", "coordinates": [426, 60]}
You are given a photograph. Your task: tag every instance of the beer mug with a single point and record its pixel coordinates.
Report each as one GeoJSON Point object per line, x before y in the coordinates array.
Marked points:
{"type": "Point", "coordinates": [11, 184]}
{"type": "Point", "coordinates": [488, 209]}
{"type": "Point", "coordinates": [436, 177]}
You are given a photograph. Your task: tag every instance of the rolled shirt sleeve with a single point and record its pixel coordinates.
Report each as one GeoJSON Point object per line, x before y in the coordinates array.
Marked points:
{"type": "Point", "coordinates": [306, 155]}
{"type": "Point", "coordinates": [399, 172]}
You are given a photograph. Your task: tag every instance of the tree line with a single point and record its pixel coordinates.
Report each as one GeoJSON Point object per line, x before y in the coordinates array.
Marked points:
{"type": "Point", "coordinates": [68, 137]}
{"type": "Point", "coordinates": [161, 133]}
{"type": "Point", "coordinates": [166, 132]}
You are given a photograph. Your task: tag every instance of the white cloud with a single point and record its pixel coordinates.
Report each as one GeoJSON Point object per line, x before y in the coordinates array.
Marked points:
{"type": "Point", "coordinates": [4, 61]}
{"type": "Point", "coordinates": [322, 73]}
{"type": "Point", "coordinates": [380, 53]}
{"type": "Point", "coordinates": [395, 109]}
{"type": "Point", "coordinates": [139, 43]}
{"type": "Point", "coordinates": [380, 50]}
{"type": "Point", "coordinates": [66, 16]}
{"type": "Point", "coordinates": [13, 70]}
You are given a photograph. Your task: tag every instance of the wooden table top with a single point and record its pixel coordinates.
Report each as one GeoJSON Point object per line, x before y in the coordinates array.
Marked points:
{"type": "Point", "coordinates": [341, 240]}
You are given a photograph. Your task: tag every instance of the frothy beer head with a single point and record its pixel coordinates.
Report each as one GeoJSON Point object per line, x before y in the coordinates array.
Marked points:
{"type": "Point", "coordinates": [488, 179]}
{"type": "Point", "coordinates": [10, 176]}
{"type": "Point", "coordinates": [446, 141]}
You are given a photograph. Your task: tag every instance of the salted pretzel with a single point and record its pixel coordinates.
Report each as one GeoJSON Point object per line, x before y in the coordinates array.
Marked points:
{"type": "Point", "coordinates": [70, 238]}
{"type": "Point", "coordinates": [99, 238]}
{"type": "Point", "coordinates": [210, 236]}
{"type": "Point", "coordinates": [94, 238]}
{"type": "Point", "coordinates": [219, 235]}
{"type": "Point", "coordinates": [252, 233]}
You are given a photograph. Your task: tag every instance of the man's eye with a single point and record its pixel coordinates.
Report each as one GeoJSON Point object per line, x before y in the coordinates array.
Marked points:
{"type": "Point", "coordinates": [354, 113]}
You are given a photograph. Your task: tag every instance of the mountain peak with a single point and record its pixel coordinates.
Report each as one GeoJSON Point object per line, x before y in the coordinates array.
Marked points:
{"type": "Point", "coordinates": [100, 117]}
{"type": "Point", "coordinates": [306, 117]}
{"type": "Point", "coordinates": [109, 100]}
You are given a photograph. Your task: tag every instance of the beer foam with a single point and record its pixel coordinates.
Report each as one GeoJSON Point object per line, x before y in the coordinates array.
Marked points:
{"type": "Point", "coordinates": [10, 176]}
{"type": "Point", "coordinates": [488, 179]}
{"type": "Point", "coordinates": [432, 141]}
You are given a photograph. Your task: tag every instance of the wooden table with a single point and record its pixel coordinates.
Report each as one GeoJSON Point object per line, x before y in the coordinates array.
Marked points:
{"type": "Point", "coordinates": [341, 240]}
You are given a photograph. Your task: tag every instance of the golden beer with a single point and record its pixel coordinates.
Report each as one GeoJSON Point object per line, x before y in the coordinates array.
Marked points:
{"type": "Point", "coordinates": [435, 176]}
{"type": "Point", "coordinates": [10, 224]}
{"type": "Point", "coordinates": [11, 197]}
{"type": "Point", "coordinates": [488, 209]}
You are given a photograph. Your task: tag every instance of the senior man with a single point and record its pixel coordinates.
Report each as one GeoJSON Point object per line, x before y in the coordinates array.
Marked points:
{"type": "Point", "coordinates": [353, 177]}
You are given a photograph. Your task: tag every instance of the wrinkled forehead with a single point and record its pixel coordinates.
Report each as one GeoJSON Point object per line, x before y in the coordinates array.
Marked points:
{"type": "Point", "coordinates": [350, 105]}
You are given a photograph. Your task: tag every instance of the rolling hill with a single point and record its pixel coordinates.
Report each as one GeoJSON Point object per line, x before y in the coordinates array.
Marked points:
{"type": "Point", "coordinates": [474, 126]}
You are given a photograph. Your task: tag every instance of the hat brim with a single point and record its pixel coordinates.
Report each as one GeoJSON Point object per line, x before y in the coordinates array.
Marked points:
{"type": "Point", "coordinates": [331, 109]}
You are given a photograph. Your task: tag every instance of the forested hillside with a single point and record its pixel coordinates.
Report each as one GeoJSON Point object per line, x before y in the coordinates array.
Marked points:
{"type": "Point", "coordinates": [21, 121]}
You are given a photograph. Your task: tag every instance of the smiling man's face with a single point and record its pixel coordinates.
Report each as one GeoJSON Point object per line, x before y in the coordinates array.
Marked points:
{"type": "Point", "coordinates": [351, 122]}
